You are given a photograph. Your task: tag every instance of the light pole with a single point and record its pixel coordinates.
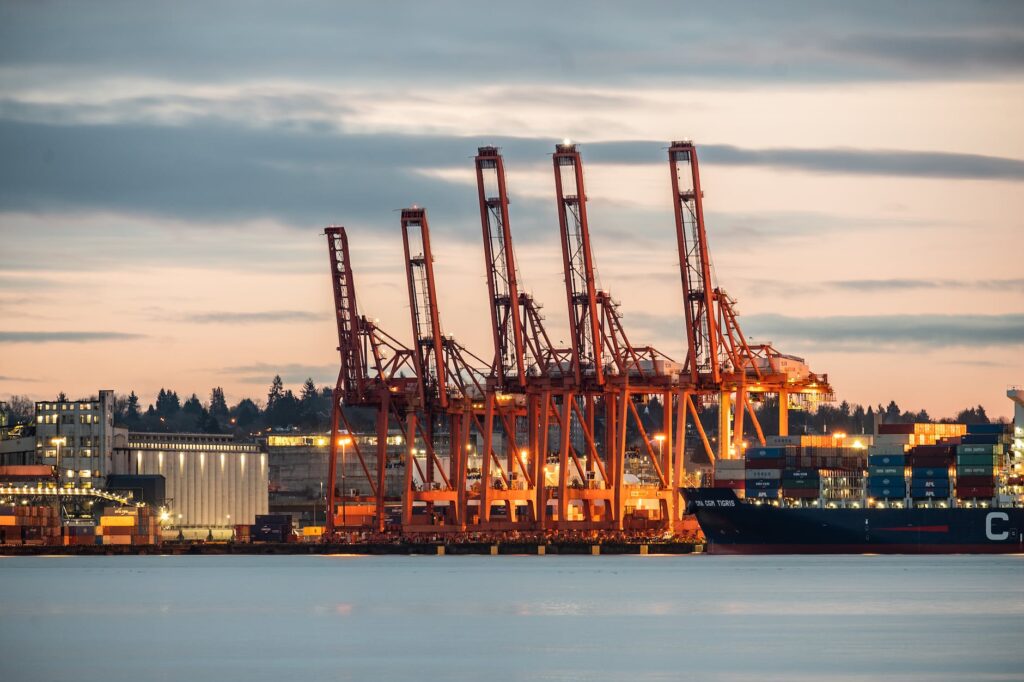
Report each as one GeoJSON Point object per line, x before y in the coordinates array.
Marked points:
{"type": "Point", "coordinates": [58, 441]}
{"type": "Point", "coordinates": [344, 442]}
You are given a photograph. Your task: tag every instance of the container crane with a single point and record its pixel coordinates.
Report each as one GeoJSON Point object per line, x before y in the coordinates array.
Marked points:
{"type": "Point", "coordinates": [375, 372]}
{"type": "Point", "coordinates": [719, 359]}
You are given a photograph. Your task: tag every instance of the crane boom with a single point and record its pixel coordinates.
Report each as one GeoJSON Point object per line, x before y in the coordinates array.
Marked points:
{"type": "Point", "coordinates": [703, 358]}
{"type": "Point", "coordinates": [509, 365]}
{"type": "Point", "coordinates": [578, 265]}
{"type": "Point", "coordinates": [426, 325]}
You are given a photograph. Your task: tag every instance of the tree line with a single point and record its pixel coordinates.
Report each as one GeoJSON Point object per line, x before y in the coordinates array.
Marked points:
{"type": "Point", "coordinates": [310, 411]}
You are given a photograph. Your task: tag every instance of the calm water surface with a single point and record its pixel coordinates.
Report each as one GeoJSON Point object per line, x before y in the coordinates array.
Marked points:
{"type": "Point", "coordinates": [512, 618]}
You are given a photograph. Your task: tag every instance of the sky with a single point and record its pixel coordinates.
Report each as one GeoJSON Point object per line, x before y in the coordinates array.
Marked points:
{"type": "Point", "coordinates": [166, 171]}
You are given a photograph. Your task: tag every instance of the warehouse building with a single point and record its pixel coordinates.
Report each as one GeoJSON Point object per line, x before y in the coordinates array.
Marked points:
{"type": "Point", "coordinates": [212, 481]}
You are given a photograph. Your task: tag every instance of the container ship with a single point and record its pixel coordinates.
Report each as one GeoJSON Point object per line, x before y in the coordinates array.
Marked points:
{"type": "Point", "coordinates": [914, 489]}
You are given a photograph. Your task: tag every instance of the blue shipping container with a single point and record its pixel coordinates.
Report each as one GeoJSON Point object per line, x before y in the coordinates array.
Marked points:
{"type": "Point", "coordinates": [894, 492]}
{"type": "Point", "coordinates": [887, 460]}
{"type": "Point", "coordinates": [986, 428]}
{"type": "Point", "coordinates": [765, 453]}
{"type": "Point", "coordinates": [930, 472]}
{"type": "Point", "coordinates": [982, 439]}
{"type": "Point", "coordinates": [886, 471]}
{"type": "Point", "coordinates": [886, 480]}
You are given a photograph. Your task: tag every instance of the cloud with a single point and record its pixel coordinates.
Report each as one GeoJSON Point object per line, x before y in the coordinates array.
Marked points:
{"type": "Point", "coordinates": [537, 41]}
{"type": "Point", "coordinates": [256, 317]}
{"type": "Point", "coordinates": [884, 162]}
{"type": "Point", "coordinates": [884, 286]}
{"type": "Point", "coordinates": [290, 373]}
{"type": "Point", "coordinates": [65, 337]}
{"type": "Point", "coordinates": [21, 379]}
{"type": "Point", "coordinates": [867, 332]}
{"type": "Point", "coordinates": [213, 171]}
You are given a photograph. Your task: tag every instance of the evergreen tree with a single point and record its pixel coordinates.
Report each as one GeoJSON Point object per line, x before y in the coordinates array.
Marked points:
{"type": "Point", "coordinates": [167, 403]}
{"type": "Point", "coordinates": [192, 406]}
{"type": "Point", "coordinates": [132, 413]}
{"type": "Point", "coordinates": [218, 405]}
{"type": "Point", "coordinates": [245, 413]}
{"type": "Point", "coordinates": [276, 392]}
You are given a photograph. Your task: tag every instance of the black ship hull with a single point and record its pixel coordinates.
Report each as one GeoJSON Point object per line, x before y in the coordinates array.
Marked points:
{"type": "Point", "coordinates": [732, 526]}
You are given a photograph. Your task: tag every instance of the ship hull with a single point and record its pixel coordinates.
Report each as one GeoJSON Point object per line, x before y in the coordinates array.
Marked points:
{"type": "Point", "coordinates": [732, 526]}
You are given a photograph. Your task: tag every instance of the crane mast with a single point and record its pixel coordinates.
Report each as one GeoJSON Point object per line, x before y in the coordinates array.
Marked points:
{"type": "Point", "coordinates": [426, 325]}
{"type": "Point", "coordinates": [578, 265]}
{"type": "Point", "coordinates": [509, 366]}
{"type": "Point", "coordinates": [702, 360]}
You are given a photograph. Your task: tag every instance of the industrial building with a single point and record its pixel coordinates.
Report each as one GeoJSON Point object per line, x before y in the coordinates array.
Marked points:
{"type": "Point", "coordinates": [212, 481]}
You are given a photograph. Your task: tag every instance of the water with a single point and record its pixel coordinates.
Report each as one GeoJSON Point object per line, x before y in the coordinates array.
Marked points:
{"type": "Point", "coordinates": [482, 618]}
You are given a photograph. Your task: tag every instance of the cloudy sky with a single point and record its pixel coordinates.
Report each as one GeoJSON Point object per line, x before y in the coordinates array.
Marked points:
{"type": "Point", "coordinates": [166, 171]}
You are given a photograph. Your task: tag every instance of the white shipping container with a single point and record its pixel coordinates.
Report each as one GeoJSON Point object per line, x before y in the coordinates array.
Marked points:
{"type": "Point", "coordinates": [763, 473]}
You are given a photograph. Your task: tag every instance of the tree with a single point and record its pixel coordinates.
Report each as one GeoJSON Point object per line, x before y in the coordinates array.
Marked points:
{"type": "Point", "coordinates": [245, 413]}
{"type": "Point", "coordinates": [167, 403]}
{"type": "Point", "coordinates": [132, 413]}
{"type": "Point", "coordinates": [972, 415]}
{"type": "Point", "coordinates": [892, 412]}
{"type": "Point", "coordinates": [21, 409]}
{"type": "Point", "coordinates": [192, 406]}
{"type": "Point", "coordinates": [276, 392]}
{"type": "Point", "coordinates": [218, 405]}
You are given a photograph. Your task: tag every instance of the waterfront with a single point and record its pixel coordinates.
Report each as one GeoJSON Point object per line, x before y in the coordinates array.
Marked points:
{"type": "Point", "coordinates": [472, 617]}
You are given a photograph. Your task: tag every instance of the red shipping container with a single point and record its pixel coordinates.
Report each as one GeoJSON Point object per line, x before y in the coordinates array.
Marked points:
{"type": "Point", "coordinates": [975, 491]}
{"type": "Point", "coordinates": [934, 450]}
{"type": "Point", "coordinates": [929, 461]}
{"type": "Point", "coordinates": [975, 481]}
{"type": "Point", "coordinates": [730, 483]}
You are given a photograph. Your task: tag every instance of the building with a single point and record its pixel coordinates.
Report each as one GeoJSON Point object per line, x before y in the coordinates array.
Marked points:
{"type": "Point", "coordinates": [298, 472]}
{"type": "Point", "coordinates": [212, 481]}
{"type": "Point", "coordinates": [76, 437]}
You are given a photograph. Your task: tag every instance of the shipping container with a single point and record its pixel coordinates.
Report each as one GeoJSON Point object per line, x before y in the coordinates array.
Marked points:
{"type": "Point", "coordinates": [800, 493]}
{"type": "Point", "coordinates": [974, 481]}
{"type": "Point", "coordinates": [929, 472]}
{"type": "Point", "coordinates": [886, 480]}
{"type": "Point", "coordinates": [967, 470]}
{"type": "Point", "coordinates": [982, 439]}
{"type": "Point", "coordinates": [765, 453]}
{"type": "Point", "coordinates": [978, 460]}
{"type": "Point", "coordinates": [887, 460]}
{"type": "Point", "coordinates": [765, 463]}
{"type": "Point", "coordinates": [754, 474]}
{"type": "Point", "coordinates": [974, 429]}
{"type": "Point", "coordinates": [976, 492]}
{"type": "Point", "coordinates": [979, 449]}
{"type": "Point", "coordinates": [930, 462]}
{"type": "Point", "coordinates": [886, 471]}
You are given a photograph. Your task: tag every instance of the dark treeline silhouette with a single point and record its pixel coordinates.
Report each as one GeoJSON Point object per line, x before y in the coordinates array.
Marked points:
{"type": "Point", "coordinates": [310, 411]}
{"type": "Point", "coordinates": [282, 409]}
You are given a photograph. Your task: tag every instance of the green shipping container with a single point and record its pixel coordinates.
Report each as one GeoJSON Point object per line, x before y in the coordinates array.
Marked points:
{"type": "Point", "coordinates": [974, 470]}
{"type": "Point", "coordinates": [886, 471]}
{"type": "Point", "coordinates": [977, 460]}
{"type": "Point", "coordinates": [979, 449]}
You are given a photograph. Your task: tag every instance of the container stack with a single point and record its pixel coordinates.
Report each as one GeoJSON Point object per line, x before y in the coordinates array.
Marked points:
{"type": "Point", "coordinates": [909, 435]}
{"type": "Point", "coordinates": [272, 528]}
{"type": "Point", "coordinates": [127, 526]}
{"type": "Point", "coordinates": [731, 473]}
{"type": "Point", "coordinates": [29, 525]}
{"type": "Point", "coordinates": [979, 458]}
{"type": "Point", "coordinates": [887, 476]}
{"type": "Point", "coordinates": [842, 485]}
{"type": "Point", "coordinates": [835, 451]}
{"type": "Point", "coordinates": [763, 472]}
{"type": "Point", "coordinates": [929, 470]}
{"type": "Point", "coordinates": [801, 484]}
{"type": "Point", "coordinates": [75, 536]}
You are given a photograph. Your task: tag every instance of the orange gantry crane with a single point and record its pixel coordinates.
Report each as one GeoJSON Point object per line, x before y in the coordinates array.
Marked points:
{"type": "Point", "coordinates": [376, 372]}
{"type": "Point", "coordinates": [719, 359]}
{"type": "Point", "coordinates": [536, 439]}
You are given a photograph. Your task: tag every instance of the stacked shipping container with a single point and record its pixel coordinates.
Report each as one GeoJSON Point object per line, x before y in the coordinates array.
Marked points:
{"type": "Point", "coordinates": [22, 524]}
{"type": "Point", "coordinates": [763, 472]}
{"type": "Point", "coordinates": [127, 526]}
{"type": "Point", "coordinates": [979, 458]}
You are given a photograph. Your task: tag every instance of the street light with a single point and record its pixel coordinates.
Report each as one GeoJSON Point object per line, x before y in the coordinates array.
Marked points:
{"type": "Point", "coordinates": [344, 442]}
{"type": "Point", "coordinates": [660, 437]}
